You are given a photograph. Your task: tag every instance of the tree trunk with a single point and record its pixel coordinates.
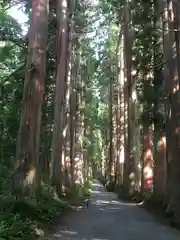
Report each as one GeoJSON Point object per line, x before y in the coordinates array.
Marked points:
{"type": "Point", "coordinates": [79, 158]}
{"type": "Point", "coordinates": [68, 81]}
{"type": "Point", "coordinates": [147, 169]}
{"type": "Point", "coordinates": [173, 133]}
{"type": "Point", "coordinates": [57, 166]}
{"type": "Point", "coordinates": [73, 109]}
{"type": "Point", "coordinates": [27, 152]}
{"type": "Point", "coordinates": [129, 173]}
{"type": "Point", "coordinates": [110, 153]}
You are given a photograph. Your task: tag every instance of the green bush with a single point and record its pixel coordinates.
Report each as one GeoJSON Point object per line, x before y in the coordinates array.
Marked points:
{"type": "Point", "coordinates": [86, 188]}
{"type": "Point", "coordinates": [20, 218]}
{"type": "Point", "coordinates": [79, 192]}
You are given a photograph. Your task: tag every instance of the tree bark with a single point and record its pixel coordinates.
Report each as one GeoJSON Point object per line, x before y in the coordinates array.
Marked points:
{"type": "Point", "coordinates": [57, 165]}
{"type": "Point", "coordinates": [27, 152]}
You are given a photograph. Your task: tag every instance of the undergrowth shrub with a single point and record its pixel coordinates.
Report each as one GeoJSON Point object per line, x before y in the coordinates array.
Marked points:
{"type": "Point", "coordinates": [79, 191]}
{"type": "Point", "coordinates": [21, 218]}
{"type": "Point", "coordinates": [86, 188]}
{"type": "Point", "coordinates": [15, 226]}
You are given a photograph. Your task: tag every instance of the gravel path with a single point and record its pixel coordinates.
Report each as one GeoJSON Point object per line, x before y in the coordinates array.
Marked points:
{"type": "Point", "coordinates": [108, 219]}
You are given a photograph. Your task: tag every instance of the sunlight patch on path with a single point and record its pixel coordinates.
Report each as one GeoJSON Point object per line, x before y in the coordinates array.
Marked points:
{"type": "Point", "coordinates": [110, 219]}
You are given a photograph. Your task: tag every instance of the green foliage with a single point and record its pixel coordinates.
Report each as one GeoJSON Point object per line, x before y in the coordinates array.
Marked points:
{"type": "Point", "coordinates": [9, 26]}
{"type": "Point", "coordinates": [20, 218]}
{"type": "Point", "coordinates": [83, 191]}
{"type": "Point", "coordinates": [95, 62]}
{"type": "Point", "coordinates": [11, 84]}
{"type": "Point", "coordinates": [14, 227]}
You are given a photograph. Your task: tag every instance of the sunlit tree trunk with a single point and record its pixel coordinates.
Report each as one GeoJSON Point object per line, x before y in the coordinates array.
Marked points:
{"type": "Point", "coordinates": [121, 81]}
{"type": "Point", "coordinates": [129, 173]}
{"type": "Point", "coordinates": [159, 181]}
{"type": "Point", "coordinates": [147, 158]}
{"type": "Point", "coordinates": [117, 137]}
{"type": "Point", "coordinates": [114, 141]}
{"type": "Point", "coordinates": [27, 153]}
{"type": "Point", "coordinates": [110, 150]}
{"type": "Point", "coordinates": [85, 152]}
{"type": "Point", "coordinates": [135, 138]}
{"type": "Point", "coordinates": [79, 124]}
{"type": "Point", "coordinates": [73, 108]}
{"type": "Point", "coordinates": [120, 111]}
{"type": "Point", "coordinates": [57, 162]}
{"type": "Point", "coordinates": [68, 81]}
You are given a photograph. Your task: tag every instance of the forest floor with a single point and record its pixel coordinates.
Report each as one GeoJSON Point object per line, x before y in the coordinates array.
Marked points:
{"type": "Point", "coordinates": [106, 218]}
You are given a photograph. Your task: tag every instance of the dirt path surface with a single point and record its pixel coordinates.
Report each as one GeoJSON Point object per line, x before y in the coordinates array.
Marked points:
{"type": "Point", "coordinates": [108, 219]}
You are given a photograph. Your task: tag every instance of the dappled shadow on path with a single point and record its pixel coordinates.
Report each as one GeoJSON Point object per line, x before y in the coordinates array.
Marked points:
{"type": "Point", "coordinates": [89, 223]}
{"type": "Point", "coordinates": [108, 219]}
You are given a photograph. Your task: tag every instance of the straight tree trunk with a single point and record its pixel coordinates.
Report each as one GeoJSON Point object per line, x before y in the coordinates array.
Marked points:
{"type": "Point", "coordinates": [79, 133]}
{"type": "Point", "coordinates": [173, 133]}
{"type": "Point", "coordinates": [68, 81]}
{"type": "Point", "coordinates": [73, 109]}
{"type": "Point", "coordinates": [27, 152]}
{"type": "Point", "coordinates": [129, 173]}
{"type": "Point", "coordinates": [110, 153]}
{"type": "Point", "coordinates": [57, 166]}
{"type": "Point", "coordinates": [159, 169]}
{"type": "Point", "coordinates": [121, 81]}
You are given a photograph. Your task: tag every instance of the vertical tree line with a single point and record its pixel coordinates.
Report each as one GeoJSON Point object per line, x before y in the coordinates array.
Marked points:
{"type": "Point", "coordinates": [146, 92]}
{"type": "Point", "coordinates": [91, 91]}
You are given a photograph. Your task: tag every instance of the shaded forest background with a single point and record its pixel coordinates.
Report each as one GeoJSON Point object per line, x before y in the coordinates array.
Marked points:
{"type": "Point", "coordinates": [91, 91]}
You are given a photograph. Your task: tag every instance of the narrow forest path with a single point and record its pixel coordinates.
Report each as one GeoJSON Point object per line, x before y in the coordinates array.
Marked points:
{"type": "Point", "coordinates": [108, 219]}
